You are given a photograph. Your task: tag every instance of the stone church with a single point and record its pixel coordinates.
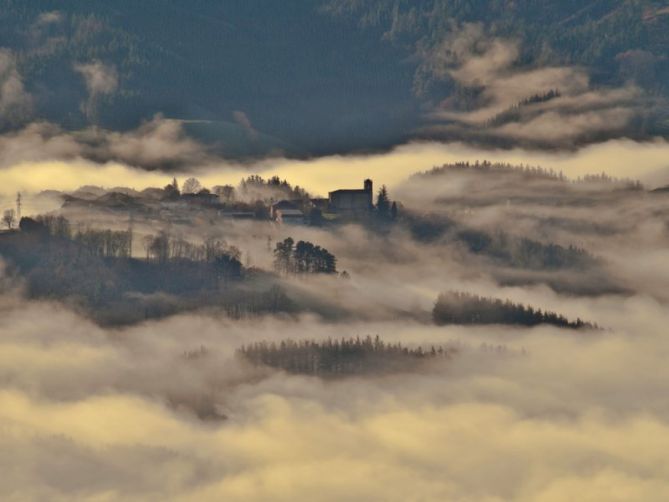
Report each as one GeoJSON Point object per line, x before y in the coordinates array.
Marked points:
{"type": "Point", "coordinates": [353, 202]}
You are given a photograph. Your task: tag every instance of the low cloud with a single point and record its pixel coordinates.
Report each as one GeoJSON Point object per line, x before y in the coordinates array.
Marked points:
{"type": "Point", "coordinates": [507, 103]}
{"type": "Point", "coordinates": [101, 80]}
{"type": "Point", "coordinates": [157, 144]}
{"type": "Point", "coordinates": [165, 409]}
{"type": "Point", "coordinates": [47, 18]}
{"type": "Point", "coordinates": [245, 122]}
{"type": "Point", "coordinates": [547, 414]}
{"type": "Point", "coordinates": [15, 102]}
{"type": "Point", "coordinates": [92, 413]}
{"type": "Point", "coordinates": [551, 125]}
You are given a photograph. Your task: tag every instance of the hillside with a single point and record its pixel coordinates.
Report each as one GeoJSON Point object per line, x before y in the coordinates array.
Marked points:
{"type": "Point", "coordinates": [309, 77]}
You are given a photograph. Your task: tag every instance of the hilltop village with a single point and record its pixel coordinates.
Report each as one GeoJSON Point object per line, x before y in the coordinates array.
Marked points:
{"type": "Point", "coordinates": [123, 256]}
{"type": "Point", "coordinates": [253, 199]}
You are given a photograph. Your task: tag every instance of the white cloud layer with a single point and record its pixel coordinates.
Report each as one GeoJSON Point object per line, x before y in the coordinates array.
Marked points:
{"type": "Point", "coordinates": [86, 414]}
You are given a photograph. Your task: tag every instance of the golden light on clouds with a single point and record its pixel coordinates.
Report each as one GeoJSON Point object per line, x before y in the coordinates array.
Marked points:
{"type": "Point", "coordinates": [620, 158]}
{"type": "Point", "coordinates": [482, 335]}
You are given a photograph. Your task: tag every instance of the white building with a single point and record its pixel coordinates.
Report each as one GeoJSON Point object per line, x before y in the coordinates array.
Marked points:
{"type": "Point", "coordinates": [289, 216]}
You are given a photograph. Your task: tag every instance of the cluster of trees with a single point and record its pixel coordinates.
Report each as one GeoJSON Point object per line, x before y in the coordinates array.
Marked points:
{"type": "Point", "coordinates": [331, 358]}
{"type": "Point", "coordinates": [56, 226]}
{"type": "Point", "coordinates": [118, 244]}
{"type": "Point", "coordinates": [163, 247]}
{"type": "Point", "coordinates": [106, 243]}
{"type": "Point", "coordinates": [253, 187]}
{"type": "Point", "coordinates": [465, 308]}
{"type": "Point", "coordinates": [303, 258]}
{"type": "Point", "coordinates": [226, 193]}
{"type": "Point", "coordinates": [102, 243]}
{"type": "Point", "coordinates": [191, 186]}
{"type": "Point", "coordinates": [603, 178]}
{"type": "Point", "coordinates": [274, 188]}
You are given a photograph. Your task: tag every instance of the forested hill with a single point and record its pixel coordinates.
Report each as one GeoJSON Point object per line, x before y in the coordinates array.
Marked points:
{"type": "Point", "coordinates": [586, 32]}
{"type": "Point", "coordinates": [302, 77]}
{"type": "Point", "coordinates": [256, 75]}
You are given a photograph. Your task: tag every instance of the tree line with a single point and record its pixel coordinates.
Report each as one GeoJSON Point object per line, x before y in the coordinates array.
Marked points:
{"type": "Point", "coordinates": [499, 167]}
{"type": "Point", "coordinates": [514, 113]}
{"type": "Point", "coordinates": [102, 243]}
{"type": "Point", "coordinates": [161, 247]}
{"type": "Point", "coordinates": [274, 186]}
{"type": "Point", "coordinates": [465, 308]}
{"type": "Point", "coordinates": [164, 247]}
{"type": "Point", "coordinates": [249, 187]}
{"type": "Point", "coordinates": [529, 171]}
{"type": "Point", "coordinates": [345, 356]}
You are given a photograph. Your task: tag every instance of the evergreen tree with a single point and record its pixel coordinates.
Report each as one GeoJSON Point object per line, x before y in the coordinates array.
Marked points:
{"type": "Point", "coordinates": [383, 203]}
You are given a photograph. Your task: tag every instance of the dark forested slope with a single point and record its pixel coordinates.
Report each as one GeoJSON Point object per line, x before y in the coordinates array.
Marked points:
{"type": "Point", "coordinates": [306, 77]}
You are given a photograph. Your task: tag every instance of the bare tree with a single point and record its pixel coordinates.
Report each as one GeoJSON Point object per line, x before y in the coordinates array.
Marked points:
{"type": "Point", "coordinates": [191, 185]}
{"type": "Point", "coordinates": [225, 192]}
{"type": "Point", "coordinates": [160, 247]}
{"type": "Point", "coordinates": [8, 218]}
{"type": "Point", "coordinates": [147, 240]}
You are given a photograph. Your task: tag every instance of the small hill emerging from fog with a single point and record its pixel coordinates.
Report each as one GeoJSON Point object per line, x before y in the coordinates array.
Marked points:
{"type": "Point", "coordinates": [340, 358]}
{"type": "Point", "coordinates": [529, 173]}
{"type": "Point", "coordinates": [464, 308]}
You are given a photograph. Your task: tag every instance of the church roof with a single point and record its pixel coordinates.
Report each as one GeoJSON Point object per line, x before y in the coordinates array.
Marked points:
{"type": "Point", "coordinates": [352, 190]}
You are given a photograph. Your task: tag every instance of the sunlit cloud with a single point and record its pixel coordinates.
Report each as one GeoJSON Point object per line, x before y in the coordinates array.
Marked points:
{"type": "Point", "coordinates": [620, 158]}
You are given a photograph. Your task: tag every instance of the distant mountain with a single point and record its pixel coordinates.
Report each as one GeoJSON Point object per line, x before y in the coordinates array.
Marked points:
{"type": "Point", "coordinates": [305, 77]}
